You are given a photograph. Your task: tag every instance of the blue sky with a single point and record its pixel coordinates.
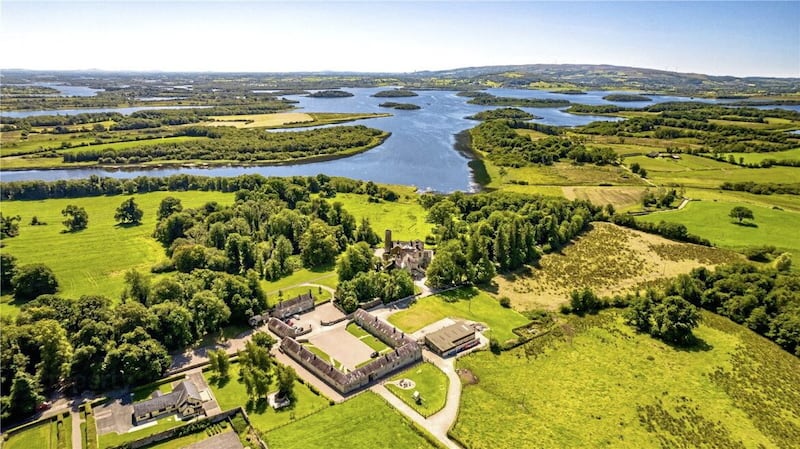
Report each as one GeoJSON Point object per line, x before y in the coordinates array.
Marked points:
{"type": "Point", "coordinates": [719, 38]}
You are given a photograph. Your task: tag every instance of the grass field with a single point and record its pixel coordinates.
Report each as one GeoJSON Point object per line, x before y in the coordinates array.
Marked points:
{"type": "Point", "coordinates": [622, 198]}
{"type": "Point", "coordinates": [593, 382]}
{"type": "Point", "coordinates": [710, 219]}
{"type": "Point", "coordinates": [466, 303]}
{"type": "Point", "coordinates": [405, 217]}
{"type": "Point", "coordinates": [92, 261]}
{"type": "Point", "coordinates": [320, 295]}
{"type": "Point", "coordinates": [367, 338]}
{"type": "Point", "coordinates": [714, 178]}
{"type": "Point", "coordinates": [563, 174]}
{"type": "Point", "coordinates": [260, 120]}
{"type": "Point", "coordinates": [115, 439]}
{"type": "Point", "coordinates": [262, 417]}
{"type": "Point", "coordinates": [430, 382]}
{"type": "Point", "coordinates": [41, 436]}
{"type": "Point", "coordinates": [754, 158]}
{"type": "Point", "coordinates": [637, 258]}
{"type": "Point", "coordinates": [365, 421]}
{"type": "Point", "coordinates": [323, 276]}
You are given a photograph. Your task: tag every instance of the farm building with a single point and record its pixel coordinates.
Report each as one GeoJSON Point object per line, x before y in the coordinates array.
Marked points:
{"type": "Point", "coordinates": [184, 399]}
{"type": "Point", "coordinates": [452, 339]}
{"type": "Point", "coordinates": [298, 304]}
{"type": "Point", "coordinates": [406, 352]}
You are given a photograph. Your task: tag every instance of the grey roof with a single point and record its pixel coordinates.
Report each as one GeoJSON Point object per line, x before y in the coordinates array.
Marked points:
{"type": "Point", "coordinates": [298, 304]}
{"type": "Point", "coordinates": [177, 396]}
{"type": "Point", "coordinates": [445, 339]}
{"type": "Point", "coordinates": [280, 328]}
{"type": "Point", "coordinates": [381, 329]}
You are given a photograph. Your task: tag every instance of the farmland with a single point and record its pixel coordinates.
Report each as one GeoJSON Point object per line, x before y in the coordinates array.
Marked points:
{"type": "Point", "coordinates": [594, 382]}
{"type": "Point", "coordinates": [94, 260]}
{"type": "Point", "coordinates": [364, 421]}
{"type": "Point", "coordinates": [405, 217]}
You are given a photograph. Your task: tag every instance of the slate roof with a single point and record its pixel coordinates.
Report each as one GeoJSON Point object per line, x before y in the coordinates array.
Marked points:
{"type": "Point", "coordinates": [175, 398]}
{"type": "Point", "coordinates": [298, 304]}
{"type": "Point", "coordinates": [381, 329]}
{"type": "Point", "coordinates": [280, 328]}
{"type": "Point", "coordinates": [447, 338]}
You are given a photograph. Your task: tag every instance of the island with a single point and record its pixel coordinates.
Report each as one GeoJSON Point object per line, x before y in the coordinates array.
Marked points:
{"type": "Point", "coordinates": [330, 94]}
{"type": "Point", "coordinates": [400, 106]}
{"type": "Point", "coordinates": [395, 93]}
{"type": "Point", "coordinates": [626, 97]}
{"type": "Point", "coordinates": [503, 113]}
{"type": "Point", "coordinates": [486, 99]}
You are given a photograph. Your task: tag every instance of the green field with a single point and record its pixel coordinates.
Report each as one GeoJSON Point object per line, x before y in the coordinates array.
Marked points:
{"type": "Point", "coordinates": [92, 261]}
{"type": "Point", "coordinates": [41, 436]}
{"type": "Point", "coordinates": [367, 338]}
{"type": "Point", "coordinates": [594, 382]}
{"type": "Point", "coordinates": [323, 276]}
{"type": "Point", "coordinates": [710, 219]}
{"type": "Point", "coordinates": [365, 421]}
{"type": "Point", "coordinates": [430, 382]}
{"type": "Point", "coordinates": [115, 439]}
{"type": "Point", "coordinates": [233, 394]}
{"type": "Point", "coordinates": [466, 303]}
{"type": "Point", "coordinates": [754, 158]}
{"type": "Point", "coordinates": [275, 296]}
{"type": "Point", "coordinates": [405, 217]}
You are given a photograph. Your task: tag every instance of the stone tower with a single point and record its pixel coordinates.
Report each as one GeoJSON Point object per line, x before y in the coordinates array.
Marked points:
{"type": "Point", "coordinates": [387, 240]}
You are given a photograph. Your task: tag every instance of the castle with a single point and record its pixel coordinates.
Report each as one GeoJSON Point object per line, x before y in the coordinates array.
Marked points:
{"type": "Point", "coordinates": [410, 256]}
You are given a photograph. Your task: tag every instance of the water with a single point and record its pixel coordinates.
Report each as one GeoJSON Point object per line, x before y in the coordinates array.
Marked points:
{"type": "Point", "coordinates": [419, 152]}
{"type": "Point", "coordinates": [66, 90]}
{"type": "Point", "coordinates": [123, 111]}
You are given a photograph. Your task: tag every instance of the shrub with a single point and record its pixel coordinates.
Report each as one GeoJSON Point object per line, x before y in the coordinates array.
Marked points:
{"type": "Point", "coordinates": [505, 302]}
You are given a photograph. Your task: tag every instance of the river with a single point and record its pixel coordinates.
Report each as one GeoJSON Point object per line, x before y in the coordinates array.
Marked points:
{"type": "Point", "coordinates": [420, 151]}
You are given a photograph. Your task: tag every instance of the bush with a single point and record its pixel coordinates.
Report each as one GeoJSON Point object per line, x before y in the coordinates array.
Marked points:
{"type": "Point", "coordinates": [494, 346]}
{"type": "Point", "coordinates": [505, 302]}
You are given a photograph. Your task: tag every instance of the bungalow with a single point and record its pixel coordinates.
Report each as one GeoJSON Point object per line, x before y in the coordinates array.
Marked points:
{"type": "Point", "coordinates": [184, 400]}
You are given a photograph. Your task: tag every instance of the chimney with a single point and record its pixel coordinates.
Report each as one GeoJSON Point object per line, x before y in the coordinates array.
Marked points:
{"type": "Point", "coordinates": [387, 240]}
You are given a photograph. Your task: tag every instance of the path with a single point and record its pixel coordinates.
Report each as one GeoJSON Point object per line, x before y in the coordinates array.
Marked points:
{"type": "Point", "coordinates": [77, 437]}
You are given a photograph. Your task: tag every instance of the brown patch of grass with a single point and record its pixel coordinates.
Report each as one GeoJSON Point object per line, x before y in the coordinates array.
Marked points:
{"type": "Point", "coordinates": [620, 197]}
{"type": "Point", "coordinates": [467, 377]}
{"type": "Point", "coordinates": [608, 259]}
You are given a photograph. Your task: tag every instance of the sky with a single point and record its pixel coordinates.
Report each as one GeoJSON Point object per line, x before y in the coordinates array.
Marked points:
{"type": "Point", "coordinates": [716, 38]}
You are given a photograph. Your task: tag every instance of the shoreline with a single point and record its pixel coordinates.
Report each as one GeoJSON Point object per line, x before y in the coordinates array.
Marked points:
{"type": "Point", "coordinates": [479, 176]}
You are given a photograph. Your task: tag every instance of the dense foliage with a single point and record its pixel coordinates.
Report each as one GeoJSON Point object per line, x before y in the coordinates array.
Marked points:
{"type": "Point", "coordinates": [330, 94]}
{"type": "Point", "coordinates": [394, 93]}
{"type": "Point", "coordinates": [399, 106]}
{"type": "Point", "coordinates": [243, 145]}
{"type": "Point", "coordinates": [503, 113]}
{"type": "Point", "coordinates": [486, 99]}
{"type": "Point", "coordinates": [626, 97]}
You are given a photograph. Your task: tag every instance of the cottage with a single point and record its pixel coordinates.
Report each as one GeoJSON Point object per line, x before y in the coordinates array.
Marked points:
{"type": "Point", "coordinates": [298, 304]}
{"type": "Point", "coordinates": [452, 339]}
{"type": "Point", "coordinates": [184, 400]}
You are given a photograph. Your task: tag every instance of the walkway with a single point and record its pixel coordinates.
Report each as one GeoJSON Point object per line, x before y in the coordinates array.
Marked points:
{"type": "Point", "coordinates": [77, 436]}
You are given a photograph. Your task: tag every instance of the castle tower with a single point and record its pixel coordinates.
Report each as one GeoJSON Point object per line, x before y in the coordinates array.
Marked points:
{"type": "Point", "coordinates": [387, 240]}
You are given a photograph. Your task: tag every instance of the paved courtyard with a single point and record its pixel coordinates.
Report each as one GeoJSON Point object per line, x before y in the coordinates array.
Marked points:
{"type": "Point", "coordinates": [342, 346]}
{"type": "Point", "coordinates": [326, 312]}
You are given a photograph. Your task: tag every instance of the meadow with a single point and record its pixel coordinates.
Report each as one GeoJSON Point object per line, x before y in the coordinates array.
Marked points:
{"type": "Point", "coordinates": [594, 382]}
{"type": "Point", "coordinates": [429, 381]}
{"type": "Point", "coordinates": [365, 421]}
{"type": "Point", "coordinates": [755, 158]}
{"type": "Point", "coordinates": [92, 261]}
{"type": "Point", "coordinates": [710, 219]}
{"type": "Point", "coordinates": [232, 393]}
{"type": "Point", "coordinates": [405, 217]}
{"type": "Point", "coordinates": [465, 303]}
{"type": "Point", "coordinates": [637, 259]}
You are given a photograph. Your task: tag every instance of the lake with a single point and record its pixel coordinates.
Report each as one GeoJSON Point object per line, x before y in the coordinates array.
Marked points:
{"type": "Point", "coordinates": [419, 152]}
{"type": "Point", "coordinates": [65, 90]}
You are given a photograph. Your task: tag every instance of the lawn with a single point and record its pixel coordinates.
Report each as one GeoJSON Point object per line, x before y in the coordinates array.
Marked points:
{"type": "Point", "coordinates": [560, 174]}
{"type": "Point", "coordinates": [41, 436]}
{"type": "Point", "coordinates": [405, 217]}
{"type": "Point", "coordinates": [114, 439]}
{"type": "Point", "coordinates": [465, 303]}
{"type": "Point", "coordinates": [233, 394]}
{"type": "Point", "coordinates": [92, 261]}
{"type": "Point", "coordinates": [594, 382]}
{"type": "Point", "coordinates": [714, 178]}
{"type": "Point", "coordinates": [323, 276]}
{"type": "Point", "coordinates": [366, 338]}
{"type": "Point", "coordinates": [710, 219]}
{"type": "Point", "coordinates": [431, 383]}
{"type": "Point", "coordinates": [366, 421]}
{"type": "Point", "coordinates": [325, 356]}
{"type": "Point", "coordinates": [196, 437]}
{"type": "Point", "coordinates": [275, 296]}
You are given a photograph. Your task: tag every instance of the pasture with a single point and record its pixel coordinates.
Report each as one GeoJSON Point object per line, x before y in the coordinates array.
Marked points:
{"type": "Point", "coordinates": [594, 382]}
{"type": "Point", "coordinates": [366, 421]}
{"type": "Point", "coordinates": [260, 120]}
{"type": "Point", "coordinates": [92, 261]}
{"type": "Point", "coordinates": [608, 259]}
{"type": "Point", "coordinates": [755, 158]}
{"type": "Point", "coordinates": [465, 303]}
{"type": "Point", "coordinates": [405, 217]}
{"type": "Point", "coordinates": [710, 219]}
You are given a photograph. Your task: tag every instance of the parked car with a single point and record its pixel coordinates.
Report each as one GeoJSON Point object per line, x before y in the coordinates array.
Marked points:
{"type": "Point", "coordinates": [374, 354]}
{"type": "Point", "coordinates": [42, 406]}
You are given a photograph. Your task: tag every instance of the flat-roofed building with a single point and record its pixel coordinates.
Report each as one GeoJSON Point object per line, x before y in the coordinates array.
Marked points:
{"type": "Point", "coordinates": [452, 339]}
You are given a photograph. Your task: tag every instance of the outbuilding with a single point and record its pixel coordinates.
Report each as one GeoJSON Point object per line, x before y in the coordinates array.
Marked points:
{"type": "Point", "coordinates": [452, 339]}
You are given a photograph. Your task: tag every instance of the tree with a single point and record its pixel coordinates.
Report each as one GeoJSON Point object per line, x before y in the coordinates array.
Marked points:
{"type": "Point", "coordinates": [129, 213]}
{"type": "Point", "coordinates": [263, 340]}
{"type": "Point", "coordinates": [318, 245]}
{"type": "Point", "coordinates": [173, 325]}
{"type": "Point", "coordinates": [584, 301]}
{"type": "Point", "coordinates": [783, 262]}
{"type": "Point", "coordinates": [220, 363]}
{"type": "Point", "coordinates": [210, 312]}
{"type": "Point", "coordinates": [673, 320]}
{"type": "Point", "coordinates": [8, 267]}
{"type": "Point", "coordinates": [9, 226]}
{"type": "Point", "coordinates": [76, 218]}
{"type": "Point", "coordinates": [286, 377]}
{"type": "Point", "coordinates": [136, 363]}
{"type": "Point", "coordinates": [55, 351]}
{"type": "Point", "coordinates": [740, 213]}
{"type": "Point", "coordinates": [137, 286]}
{"type": "Point", "coordinates": [24, 395]}
{"type": "Point", "coordinates": [364, 233]}
{"type": "Point", "coordinates": [33, 280]}
{"type": "Point", "coordinates": [168, 206]}
{"type": "Point", "coordinates": [355, 259]}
